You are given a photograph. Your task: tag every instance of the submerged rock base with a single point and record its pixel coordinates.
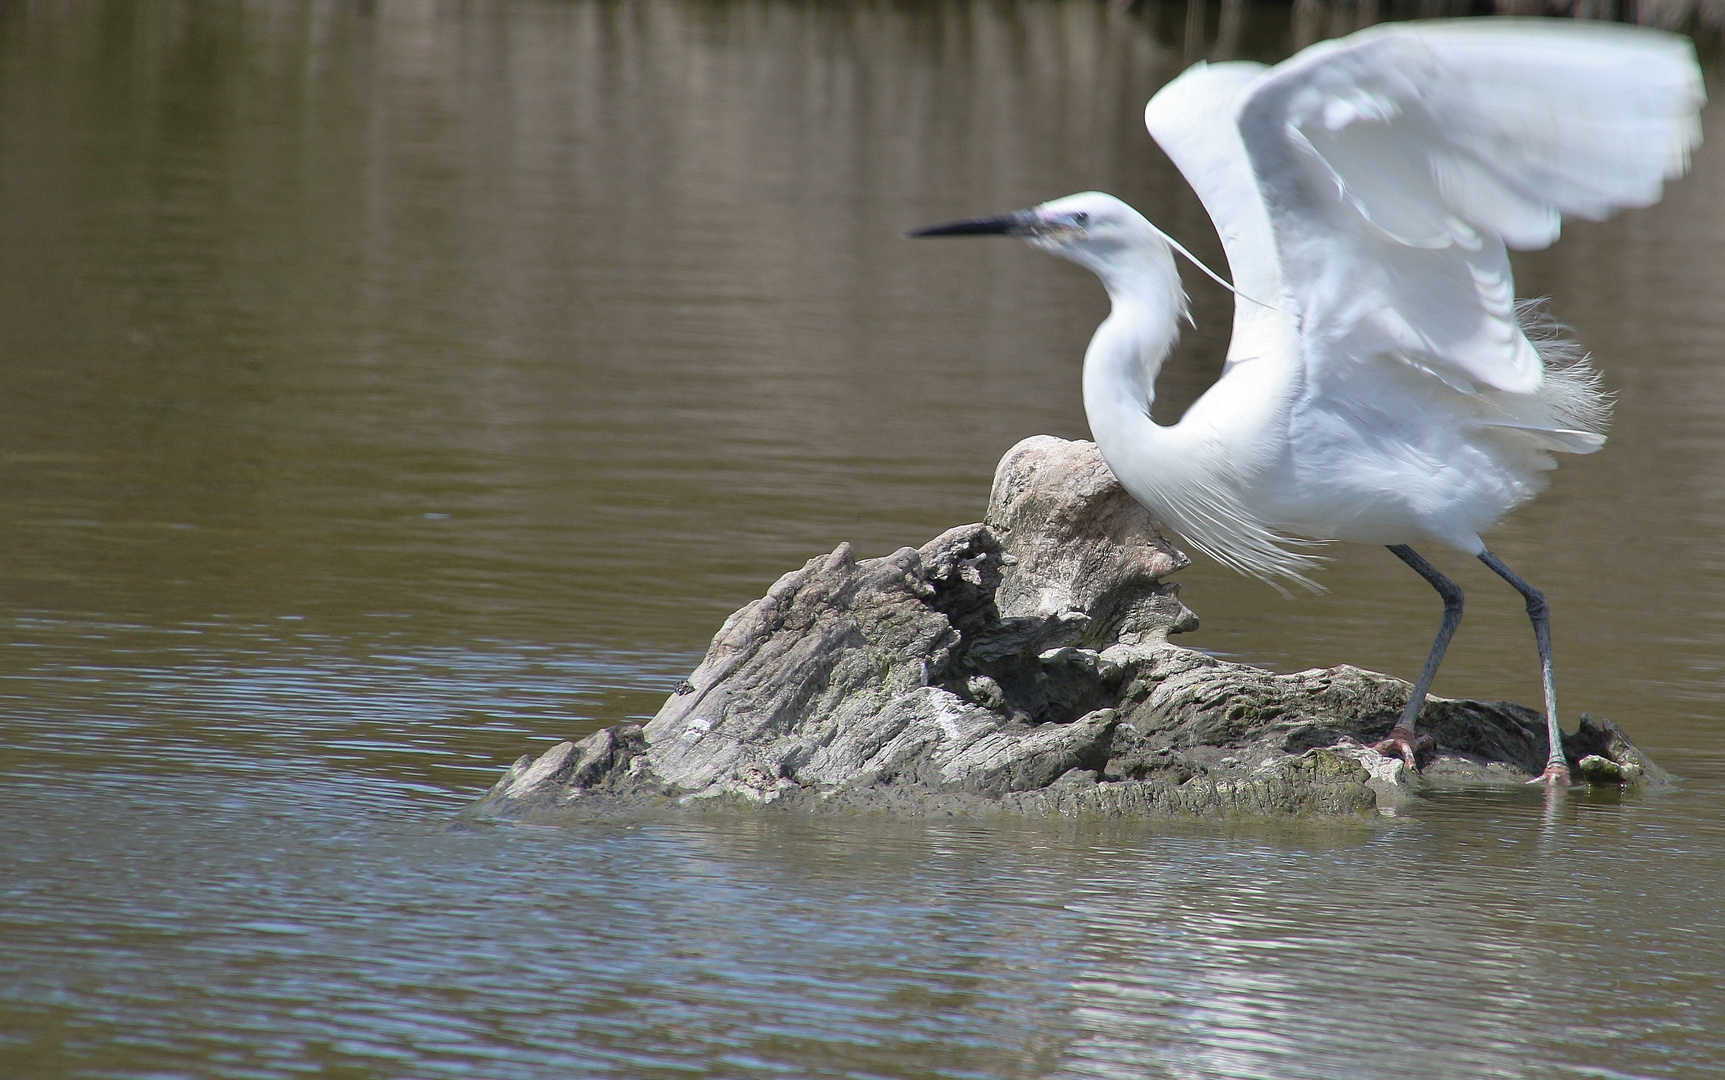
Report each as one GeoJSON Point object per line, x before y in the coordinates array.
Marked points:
{"type": "Point", "coordinates": [1022, 665]}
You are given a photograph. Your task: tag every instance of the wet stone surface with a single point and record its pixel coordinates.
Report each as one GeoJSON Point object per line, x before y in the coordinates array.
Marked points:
{"type": "Point", "coordinates": [1022, 665]}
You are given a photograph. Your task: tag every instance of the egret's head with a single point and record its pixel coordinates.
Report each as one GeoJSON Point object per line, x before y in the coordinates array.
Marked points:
{"type": "Point", "coordinates": [1092, 229]}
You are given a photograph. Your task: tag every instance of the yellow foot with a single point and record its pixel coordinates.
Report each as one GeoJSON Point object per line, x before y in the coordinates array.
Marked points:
{"type": "Point", "coordinates": [1555, 775]}
{"type": "Point", "coordinates": [1406, 745]}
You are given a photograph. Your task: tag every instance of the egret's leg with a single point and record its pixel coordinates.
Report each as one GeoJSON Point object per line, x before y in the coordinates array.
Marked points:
{"type": "Point", "coordinates": [1556, 769]}
{"type": "Point", "coordinates": [1403, 738]}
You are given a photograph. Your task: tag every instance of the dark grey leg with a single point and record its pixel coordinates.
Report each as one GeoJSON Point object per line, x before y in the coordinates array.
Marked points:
{"type": "Point", "coordinates": [1556, 769]}
{"type": "Point", "coordinates": [1403, 738]}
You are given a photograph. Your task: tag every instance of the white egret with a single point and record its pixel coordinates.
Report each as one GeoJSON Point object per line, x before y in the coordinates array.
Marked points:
{"type": "Point", "coordinates": [1382, 385]}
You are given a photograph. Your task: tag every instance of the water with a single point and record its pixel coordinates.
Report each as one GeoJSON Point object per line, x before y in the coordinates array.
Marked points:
{"type": "Point", "coordinates": [392, 389]}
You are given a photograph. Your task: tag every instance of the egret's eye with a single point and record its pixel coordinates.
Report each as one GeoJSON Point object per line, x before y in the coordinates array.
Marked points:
{"type": "Point", "coordinates": [1081, 218]}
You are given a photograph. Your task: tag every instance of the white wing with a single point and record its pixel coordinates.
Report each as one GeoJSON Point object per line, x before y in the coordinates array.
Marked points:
{"type": "Point", "coordinates": [1369, 186]}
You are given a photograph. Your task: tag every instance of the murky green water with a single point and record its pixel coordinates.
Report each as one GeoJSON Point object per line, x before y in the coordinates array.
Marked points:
{"type": "Point", "coordinates": [390, 389]}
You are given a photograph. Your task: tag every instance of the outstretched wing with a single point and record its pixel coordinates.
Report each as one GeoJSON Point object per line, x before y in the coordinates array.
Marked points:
{"type": "Point", "coordinates": [1372, 184]}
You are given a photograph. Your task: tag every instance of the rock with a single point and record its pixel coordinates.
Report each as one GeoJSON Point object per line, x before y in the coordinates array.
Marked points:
{"type": "Point", "coordinates": [610, 762]}
{"type": "Point", "coordinates": [1079, 549]}
{"type": "Point", "coordinates": [1608, 757]}
{"type": "Point", "coordinates": [1022, 665]}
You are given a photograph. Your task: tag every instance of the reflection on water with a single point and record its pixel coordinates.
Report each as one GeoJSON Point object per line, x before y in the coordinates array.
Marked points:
{"type": "Point", "coordinates": [1484, 940]}
{"type": "Point", "coordinates": [390, 388]}
{"type": "Point", "coordinates": [264, 701]}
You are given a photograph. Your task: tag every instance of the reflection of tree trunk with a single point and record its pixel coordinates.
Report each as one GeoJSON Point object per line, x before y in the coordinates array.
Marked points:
{"type": "Point", "coordinates": [1672, 14]}
{"type": "Point", "coordinates": [1313, 20]}
{"type": "Point", "coordinates": [1228, 33]}
{"type": "Point", "coordinates": [1194, 44]}
{"type": "Point", "coordinates": [1709, 13]}
{"type": "Point", "coordinates": [1342, 19]}
{"type": "Point", "coordinates": [1308, 22]}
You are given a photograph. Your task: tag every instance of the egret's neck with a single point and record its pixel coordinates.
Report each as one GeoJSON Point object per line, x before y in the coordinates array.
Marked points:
{"type": "Point", "coordinates": [1128, 349]}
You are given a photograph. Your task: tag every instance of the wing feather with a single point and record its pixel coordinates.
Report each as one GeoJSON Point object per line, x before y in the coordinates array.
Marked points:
{"type": "Point", "coordinates": [1374, 184]}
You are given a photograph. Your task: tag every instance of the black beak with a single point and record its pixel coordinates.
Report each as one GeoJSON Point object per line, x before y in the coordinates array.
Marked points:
{"type": "Point", "coordinates": [1014, 224]}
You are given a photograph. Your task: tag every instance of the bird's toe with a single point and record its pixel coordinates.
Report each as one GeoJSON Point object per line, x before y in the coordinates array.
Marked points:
{"type": "Point", "coordinates": [1555, 775]}
{"type": "Point", "coordinates": [1404, 744]}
